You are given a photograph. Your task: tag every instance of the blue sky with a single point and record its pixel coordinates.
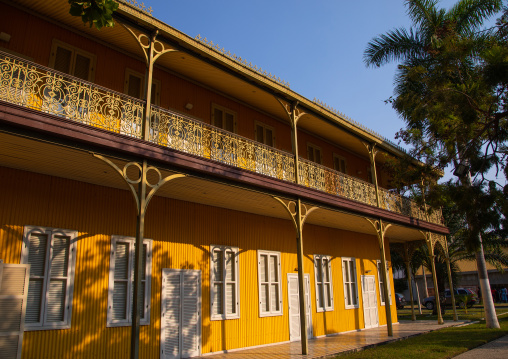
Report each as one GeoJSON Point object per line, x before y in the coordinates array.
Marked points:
{"type": "Point", "coordinates": [317, 46]}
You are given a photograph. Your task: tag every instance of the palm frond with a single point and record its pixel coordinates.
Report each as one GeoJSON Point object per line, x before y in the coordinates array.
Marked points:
{"type": "Point", "coordinates": [468, 15]}
{"type": "Point", "coordinates": [395, 45]}
{"type": "Point", "coordinates": [421, 11]}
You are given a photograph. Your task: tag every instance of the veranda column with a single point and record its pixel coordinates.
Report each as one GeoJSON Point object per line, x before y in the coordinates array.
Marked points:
{"type": "Point", "coordinates": [455, 318]}
{"type": "Point", "coordinates": [151, 54]}
{"type": "Point", "coordinates": [434, 278]}
{"type": "Point", "coordinates": [299, 235]}
{"type": "Point", "coordinates": [430, 246]}
{"type": "Point", "coordinates": [425, 282]}
{"type": "Point", "coordinates": [407, 261]}
{"type": "Point", "coordinates": [381, 238]}
{"type": "Point", "coordinates": [408, 268]}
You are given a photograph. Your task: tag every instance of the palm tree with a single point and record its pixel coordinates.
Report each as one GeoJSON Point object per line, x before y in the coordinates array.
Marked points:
{"type": "Point", "coordinates": [431, 25]}
{"type": "Point", "coordinates": [423, 48]}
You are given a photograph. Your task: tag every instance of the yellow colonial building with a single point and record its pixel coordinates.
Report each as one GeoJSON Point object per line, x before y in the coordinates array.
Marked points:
{"type": "Point", "coordinates": [136, 159]}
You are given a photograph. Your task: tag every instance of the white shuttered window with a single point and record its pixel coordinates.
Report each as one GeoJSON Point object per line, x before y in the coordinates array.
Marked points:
{"type": "Point", "coordinates": [121, 281]}
{"type": "Point", "coordinates": [270, 291]}
{"type": "Point", "coordinates": [323, 279]}
{"type": "Point", "coordinates": [350, 283]}
{"type": "Point", "coordinates": [224, 287]}
{"type": "Point", "coordinates": [51, 253]}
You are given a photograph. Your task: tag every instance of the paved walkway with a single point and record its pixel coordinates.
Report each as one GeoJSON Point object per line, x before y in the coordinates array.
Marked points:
{"type": "Point", "coordinates": [497, 349]}
{"type": "Point", "coordinates": [330, 346]}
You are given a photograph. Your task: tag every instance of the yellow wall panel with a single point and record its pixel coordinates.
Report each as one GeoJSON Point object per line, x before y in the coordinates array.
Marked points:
{"type": "Point", "coordinates": [182, 233]}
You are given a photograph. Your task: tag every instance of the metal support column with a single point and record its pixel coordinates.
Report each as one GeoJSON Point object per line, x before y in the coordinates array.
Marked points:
{"type": "Point", "coordinates": [301, 284]}
{"type": "Point", "coordinates": [408, 269]}
{"type": "Point", "coordinates": [298, 218]}
{"type": "Point", "coordinates": [152, 50]}
{"type": "Point", "coordinates": [380, 230]}
{"type": "Point", "coordinates": [430, 246]}
{"type": "Point", "coordinates": [434, 279]}
{"type": "Point", "coordinates": [455, 317]}
{"type": "Point", "coordinates": [138, 260]}
{"type": "Point", "coordinates": [299, 234]}
{"type": "Point", "coordinates": [407, 262]}
{"type": "Point", "coordinates": [388, 309]}
{"type": "Point", "coordinates": [142, 199]}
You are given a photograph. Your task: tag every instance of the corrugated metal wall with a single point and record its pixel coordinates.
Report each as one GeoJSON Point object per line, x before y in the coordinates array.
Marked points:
{"type": "Point", "coordinates": [182, 233]}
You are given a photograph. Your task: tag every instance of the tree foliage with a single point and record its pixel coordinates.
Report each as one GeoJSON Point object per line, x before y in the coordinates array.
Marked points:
{"type": "Point", "coordinates": [451, 90]}
{"type": "Point", "coordinates": [94, 12]}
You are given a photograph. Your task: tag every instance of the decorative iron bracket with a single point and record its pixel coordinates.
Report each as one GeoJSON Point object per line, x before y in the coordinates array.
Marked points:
{"type": "Point", "coordinates": [152, 48]}
{"type": "Point", "coordinates": [291, 209]}
{"type": "Point", "coordinates": [141, 180]}
{"type": "Point", "coordinates": [380, 228]}
{"type": "Point", "coordinates": [294, 114]}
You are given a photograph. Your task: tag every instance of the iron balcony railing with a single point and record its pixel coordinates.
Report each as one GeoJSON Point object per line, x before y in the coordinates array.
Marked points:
{"type": "Point", "coordinates": [37, 87]}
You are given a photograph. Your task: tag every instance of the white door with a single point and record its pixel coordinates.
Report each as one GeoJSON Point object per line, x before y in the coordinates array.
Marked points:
{"type": "Point", "coordinates": [369, 301]}
{"type": "Point", "coordinates": [180, 313]}
{"type": "Point", "coordinates": [294, 306]}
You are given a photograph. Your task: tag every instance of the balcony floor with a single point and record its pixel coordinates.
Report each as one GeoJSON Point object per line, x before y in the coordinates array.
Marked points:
{"type": "Point", "coordinates": [337, 344]}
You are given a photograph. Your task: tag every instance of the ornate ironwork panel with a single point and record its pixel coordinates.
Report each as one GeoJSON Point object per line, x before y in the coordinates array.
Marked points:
{"type": "Point", "coordinates": [40, 88]}
{"type": "Point", "coordinates": [394, 202]}
{"type": "Point", "coordinates": [327, 180]}
{"type": "Point", "coordinates": [37, 87]}
{"type": "Point", "coordinates": [188, 135]}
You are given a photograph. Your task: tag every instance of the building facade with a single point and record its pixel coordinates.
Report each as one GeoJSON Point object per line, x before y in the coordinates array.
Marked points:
{"type": "Point", "coordinates": [231, 171]}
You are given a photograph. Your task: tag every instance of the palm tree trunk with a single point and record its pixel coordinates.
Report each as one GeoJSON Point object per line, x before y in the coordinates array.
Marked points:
{"type": "Point", "coordinates": [425, 282]}
{"type": "Point", "coordinates": [418, 299]}
{"type": "Point", "coordinates": [488, 302]}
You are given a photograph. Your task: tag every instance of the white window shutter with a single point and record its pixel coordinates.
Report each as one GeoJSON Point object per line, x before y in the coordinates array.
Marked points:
{"type": "Point", "coordinates": [121, 281]}
{"type": "Point", "coordinates": [224, 283]}
{"type": "Point", "coordinates": [52, 254]}
{"type": "Point", "coordinates": [344, 281]}
{"type": "Point", "coordinates": [56, 294]}
{"type": "Point", "coordinates": [37, 250]}
{"type": "Point", "coordinates": [316, 280]}
{"type": "Point", "coordinates": [13, 301]}
{"type": "Point", "coordinates": [329, 268]}
{"type": "Point", "coordinates": [120, 285]}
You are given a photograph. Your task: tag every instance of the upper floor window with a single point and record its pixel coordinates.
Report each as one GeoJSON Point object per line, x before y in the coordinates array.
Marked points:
{"type": "Point", "coordinates": [323, 277]}
{"type": "Point", "coordinates": [51, 253]}
{"type": "Point", "coordinates": [264, 134]}
{"type": "Point", "coordinates": [350, 282]}
{"type": "Point", "coordinates": [314, 153]}
{"type": "Point", "coordinates": [72, 61]}
{"type": "Point", "coordinates": [270, 288]}
{"type": "Point", "coordinates": [121, 281]}
{"type": "Point", "coordinates": [135, 86]}
{"type": "Point", "coordinates": [224, 288]}
{"type": "Point", "coordinates": [223, 118]}
{"type": "Point", "coordinates": [339, 163]}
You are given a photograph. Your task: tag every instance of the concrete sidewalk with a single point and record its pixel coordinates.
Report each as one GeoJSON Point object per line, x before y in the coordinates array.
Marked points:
{"type": "Point", "coordinates": [497, 349]}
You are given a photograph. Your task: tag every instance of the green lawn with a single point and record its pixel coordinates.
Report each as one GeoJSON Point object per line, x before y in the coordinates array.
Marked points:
{"type": "Point", "coordinates": [444, 343]}
{"type": "Point", "coordinates": [475, 313]}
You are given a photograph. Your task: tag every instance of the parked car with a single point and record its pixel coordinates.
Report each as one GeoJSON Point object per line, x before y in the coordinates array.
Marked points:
{"type": "Point", "coordinates": [473, 293]}
{"type": "Point", "coordinates": [462, 298]}
{"type": "Point", "coordinates": [400, 301]}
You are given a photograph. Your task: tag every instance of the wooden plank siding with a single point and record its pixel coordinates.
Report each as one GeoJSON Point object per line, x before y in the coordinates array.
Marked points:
{"type": "Point", "coordinates": [182, 233]}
